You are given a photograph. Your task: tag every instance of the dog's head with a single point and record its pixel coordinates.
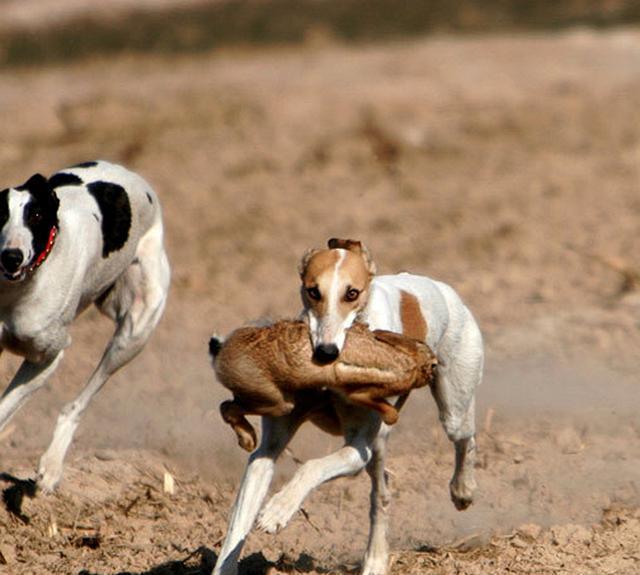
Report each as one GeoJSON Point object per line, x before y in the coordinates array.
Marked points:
{"type": "Point", "coordinates": [28, 213]}
{"type": "Point", "coordinates": [335, 289]}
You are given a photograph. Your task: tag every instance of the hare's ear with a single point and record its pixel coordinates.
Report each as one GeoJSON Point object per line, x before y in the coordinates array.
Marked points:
{"type": "Point", "coordinates": [306, 258]}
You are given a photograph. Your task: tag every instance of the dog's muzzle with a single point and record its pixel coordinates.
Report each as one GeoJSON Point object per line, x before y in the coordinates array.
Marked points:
{"type": "Point", "coordinates": [326, 353]}
{"type": "Point", "coordinates": [11, 259]}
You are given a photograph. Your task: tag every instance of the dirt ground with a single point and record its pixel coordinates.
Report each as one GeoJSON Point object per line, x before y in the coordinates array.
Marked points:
{"type": "Point", "coordinates": [508, 166]}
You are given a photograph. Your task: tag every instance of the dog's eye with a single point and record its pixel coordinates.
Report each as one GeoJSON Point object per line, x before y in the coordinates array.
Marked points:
{"type": "Point", "coordinates": [352, 294]}
{"type": "Point", "coordinates": [313, 293]}
{"type": "Point", "coordinates": [34, 216]}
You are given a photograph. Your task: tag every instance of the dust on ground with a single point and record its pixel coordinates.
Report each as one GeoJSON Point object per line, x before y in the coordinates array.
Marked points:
{"type": "Point", "coordinates": [507, 166]}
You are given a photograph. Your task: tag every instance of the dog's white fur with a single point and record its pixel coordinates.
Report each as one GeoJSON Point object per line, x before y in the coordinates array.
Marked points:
{"type": "Point", "coordinates": [455, 338]}
{"type": "Point", "coordinates": [129, 285]}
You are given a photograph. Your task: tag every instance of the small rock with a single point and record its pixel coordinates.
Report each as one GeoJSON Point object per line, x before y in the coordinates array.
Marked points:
{"type": "Point", "coordinates": [52, 529]}
{"type": "Point", "coordinates": [569, 441]}
{"type": "Point", "coordinates": [106, 455]}
{"type": "Point", "coordinates": [7, 554]}
{"type": "Point", "coordinates": [565, 534]}
{"type": "Point", "coordinates": [582, 535]}
{"type": "Point", "coordinates": [169, 483]}
{"type": "Point", "coordinates": [529, 530]}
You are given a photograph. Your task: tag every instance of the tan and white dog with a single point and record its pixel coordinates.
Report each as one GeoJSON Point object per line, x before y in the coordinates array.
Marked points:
{"type": "Point", "coordinates": [339, 286]}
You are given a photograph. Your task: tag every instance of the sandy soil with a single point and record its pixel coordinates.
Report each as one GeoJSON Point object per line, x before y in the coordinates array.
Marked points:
{"type": "Point", "coordinates": [507, 166]}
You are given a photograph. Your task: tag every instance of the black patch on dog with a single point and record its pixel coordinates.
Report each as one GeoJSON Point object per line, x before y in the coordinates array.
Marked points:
{"type": "Point", "coordinates": [149, 198]}
{"type": "Point", "coordinates": [85, 165]}
{"type": "Point", "coordinates": [63, 179]}
{"type": "Point", "coordinates": [36, 184]}
{"type": "Point", "coordinates": [116, 214]}
{"type": "Point", "coordinates": [4, 207]}
{"type": "Point", "coordinates": [41, 213]}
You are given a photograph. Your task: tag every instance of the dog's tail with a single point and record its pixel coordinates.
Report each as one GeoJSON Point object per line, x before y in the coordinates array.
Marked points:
{"type": "Point", "coordinates": [215, 345]}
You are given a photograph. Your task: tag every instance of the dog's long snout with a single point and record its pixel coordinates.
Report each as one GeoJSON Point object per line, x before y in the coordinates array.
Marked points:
{"type": "Point", "coordinates": [326, 353]}
{"type": "Point", "coordinates": [11, 259]}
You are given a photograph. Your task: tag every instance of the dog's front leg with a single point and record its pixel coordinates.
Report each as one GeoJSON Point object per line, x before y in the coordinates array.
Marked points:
{"type": "Point", "coordinates": [377, 555]}
{"type": "Point", "coordinates": [29, 378]}
{"type": "Point", "coordinates": [349, 460]}
{"type": "Point", "coordinates": [146, 302]}
{"type": "Point", "coordinates": [276, 434]}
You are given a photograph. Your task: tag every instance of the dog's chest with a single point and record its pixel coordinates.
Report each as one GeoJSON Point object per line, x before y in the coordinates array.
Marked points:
{"type": "Point", "coordinates": [26, 339]}
{"type": "Point", "coordinates": [13, 343]}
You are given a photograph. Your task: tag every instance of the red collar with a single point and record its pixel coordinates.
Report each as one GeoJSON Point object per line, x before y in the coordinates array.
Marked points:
{"type": "Point", "coordinates": [43, 255]}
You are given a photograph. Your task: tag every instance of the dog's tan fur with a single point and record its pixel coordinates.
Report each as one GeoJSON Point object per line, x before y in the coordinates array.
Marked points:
{"type": "Point", "coordinates": [316, 274]}
{"type": "Point", "coordinates": [413, 323]}
{"type": "Point", "coordinates": [265, 366]}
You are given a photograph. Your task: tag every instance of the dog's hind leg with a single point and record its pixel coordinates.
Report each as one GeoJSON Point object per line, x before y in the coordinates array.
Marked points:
{"type": "Point", "coordinates": [454, 392]}
{"type": "Point", "coordinates": [276, 434]}
{"type": "Point", "coordinates": [463, 483]}
{"type": "Point", "coordinates": [377, 555]}
{"type": "Point", "coordinates": [135, 302]}
{"type": "Point", "coordinates": [29, 378]}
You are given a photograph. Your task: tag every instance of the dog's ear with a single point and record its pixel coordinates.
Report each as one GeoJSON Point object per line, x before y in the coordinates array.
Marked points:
{"type": "Point", "coordinates": [304, 262]}
{"type": "Point", "coordinates": [340, 244]}
{"type": "Point", "coordinates": [356, 247]}
{"type": "Point", "coordinates": [45, 194]}
{"type": "Point", "coordinates": [37, 185]}
{"type": "Point", "coordinates": [40, 187]}
{"type": "Point", "coordinates": [371, 265]}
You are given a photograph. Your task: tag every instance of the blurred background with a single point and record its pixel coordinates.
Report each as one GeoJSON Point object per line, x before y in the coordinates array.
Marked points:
{"type": "Point", "coordinates": [71, 29]}
{"type": "Point", "coordinates": [493, 145]}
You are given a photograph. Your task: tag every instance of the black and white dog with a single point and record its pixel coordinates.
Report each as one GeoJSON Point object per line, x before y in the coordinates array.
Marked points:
{"type": "Point", "coordinates": [91, 233]}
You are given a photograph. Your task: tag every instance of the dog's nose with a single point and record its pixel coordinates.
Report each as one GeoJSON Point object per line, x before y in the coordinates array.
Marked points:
{"type": "Point", "coordinates": [11, 259]}
{"type": "Point", "coordinates": [326, 353]}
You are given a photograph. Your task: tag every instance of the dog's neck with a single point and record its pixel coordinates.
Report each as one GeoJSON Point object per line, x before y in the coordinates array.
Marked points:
{"type": "Point", "coordinates": [42, 256]}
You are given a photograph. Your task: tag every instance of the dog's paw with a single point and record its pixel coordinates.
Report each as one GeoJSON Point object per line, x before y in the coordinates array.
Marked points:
{"type": "Point", "coordinates": [48, 476]}
{"type": "Point", "coordinates": [462, 493]}
{"type": "Point", "coordinates": [375, 565]}
{"type": "Point", "coordinates": [277, 513]}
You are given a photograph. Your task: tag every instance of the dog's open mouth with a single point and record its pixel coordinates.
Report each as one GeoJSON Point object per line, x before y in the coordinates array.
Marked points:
{"type": "Point", "coordinates": [14, 276]}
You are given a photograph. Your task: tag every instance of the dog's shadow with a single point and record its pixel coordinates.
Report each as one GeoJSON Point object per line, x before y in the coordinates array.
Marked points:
{"type": "Point", "coordinates": [255, 564]}
{"type": "Point", "coordinates": [13, 495]}
{"type": "Point", "coordinates": [199, 562]}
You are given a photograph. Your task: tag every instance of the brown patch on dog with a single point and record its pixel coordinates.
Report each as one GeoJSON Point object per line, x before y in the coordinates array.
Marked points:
{"type": "Point", "coordinates": [316, 273]}
{"type": "Point", "coordinates": [315, 263]}
{"type": "Point", "coordinates": [413, 323]}
{"type": "Point", "coordinates": [355, 246]}
{"type": "Point", "coordinates": [306, 258]}
{"type": "Point", "coordinates": [319, 269]}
